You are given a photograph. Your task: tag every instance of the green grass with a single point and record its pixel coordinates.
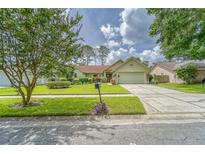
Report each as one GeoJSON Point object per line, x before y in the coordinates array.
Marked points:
{"type": "Point", "coordinates": [71, 106]}
{"type": "Point", "coordinates": [74, 89]}
{"type": "Point", "coordinates": [189, 88]}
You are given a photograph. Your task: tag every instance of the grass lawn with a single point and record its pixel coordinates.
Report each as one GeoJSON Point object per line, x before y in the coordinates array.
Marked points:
{"type": "Point", "coordinates": [71, 106]}
{"type": "Point", "coordinates": [190, 88]}
{"type": "Point", "coordinates": [74, 89]}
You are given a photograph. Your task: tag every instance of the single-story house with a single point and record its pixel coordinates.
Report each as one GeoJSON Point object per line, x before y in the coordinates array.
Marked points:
{"type": "Point", "coordinates": [169, 69]}
{"type": "Point", "coordinates": [4, 81]}
{"type": "Point", "coordinates": [130, 71]}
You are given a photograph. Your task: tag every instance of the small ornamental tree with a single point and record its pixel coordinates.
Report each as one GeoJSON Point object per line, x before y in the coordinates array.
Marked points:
{"type": "Point", "coordinates": [35, 42]}
{"type": "Point", "coordinates": [187, 73]}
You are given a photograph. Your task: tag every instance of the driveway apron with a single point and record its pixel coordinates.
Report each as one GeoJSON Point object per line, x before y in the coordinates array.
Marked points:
{"type": "Point", "coordinates": [162, 100]}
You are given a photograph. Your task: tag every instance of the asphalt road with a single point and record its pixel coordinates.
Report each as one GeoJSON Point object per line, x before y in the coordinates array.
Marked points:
{"type": "Point", "coordinates": [140, 131]}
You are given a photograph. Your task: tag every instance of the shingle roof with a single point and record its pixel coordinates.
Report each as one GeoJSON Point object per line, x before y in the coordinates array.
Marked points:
{"type": "Point", "coordinates": [175, 65]}
{"type": "Point", "coordinates": [109, 69]}
{"type": "Point", "coordinates": [92, 68]}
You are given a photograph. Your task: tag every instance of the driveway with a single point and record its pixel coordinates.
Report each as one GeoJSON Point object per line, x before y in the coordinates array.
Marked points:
{"type": "Point", "coordinates": [162, 100]}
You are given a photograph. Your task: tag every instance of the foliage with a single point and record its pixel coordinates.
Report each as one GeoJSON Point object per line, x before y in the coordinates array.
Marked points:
{"type": "Point", "coordinates": [187, 73]}
{"type": "Point", "coordinates": [150, 78]}
{"type": "Point", "coordinates": [63, 79]}
{"type": "Point", "coordinates": [87, 54]}
{"type": "Point", "coordinates": [35, 43]}
{"type": "Point", "coordinates": [58, 84]}
{"type": "Point", "coordinates": [83, 80]}
{"type": "Point", "coordinates": [179, 32]}
{"type": "Point", "coordinates": [76, 81]}
{"type": "Point", "coordinates": [103, 80]}
{"type": "Point", "coordinates": [101, 109]}
{"type": "Point", "coordinates": [103, 52]}
{"type": "Point", "coordinates": [90, 80]}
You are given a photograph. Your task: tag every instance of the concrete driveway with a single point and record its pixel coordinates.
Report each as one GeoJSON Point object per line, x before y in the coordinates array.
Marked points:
{"type": "Point", "coordinates": [162, 100]}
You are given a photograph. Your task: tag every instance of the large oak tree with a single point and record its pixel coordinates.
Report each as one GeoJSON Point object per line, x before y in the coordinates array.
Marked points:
{"type": "Point", "coordinates": [34, 42]}
{"type": "Point", "coordinates": [180, 32]}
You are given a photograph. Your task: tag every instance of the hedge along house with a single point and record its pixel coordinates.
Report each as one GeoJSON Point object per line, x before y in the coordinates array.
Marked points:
{"type": "Point", "coordinates": [130, 71]}
{"type": "Point", "coordinates": [168, 69]}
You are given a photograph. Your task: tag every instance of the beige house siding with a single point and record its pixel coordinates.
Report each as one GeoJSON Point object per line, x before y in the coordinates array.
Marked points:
{"type": "Point", "coordinates": [172, 74]}
{"type": "Point", "coordinates": [131, 66]}
{"type": "Point", "coordinates": [200, 76]}
{"type": "Point", "coordinates": [161, 71]}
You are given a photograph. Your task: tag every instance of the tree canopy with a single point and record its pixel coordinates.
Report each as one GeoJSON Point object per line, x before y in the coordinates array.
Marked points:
{"type": "Point", "coordinates": [35, 42]}
{"type": "Point", "coordinates": [180, 32]}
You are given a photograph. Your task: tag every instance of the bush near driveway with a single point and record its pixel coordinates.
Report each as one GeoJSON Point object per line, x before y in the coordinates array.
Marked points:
{"type": "Point", "coordinates": [187, 73]}
{"type": "Point", "coordinates": [71, 106]}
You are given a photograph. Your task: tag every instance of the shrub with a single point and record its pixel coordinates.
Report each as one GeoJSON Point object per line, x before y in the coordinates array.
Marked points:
{"type": "Point", "coordinates": [150, 78]}
{"type": "Point", "coordinates": [70, 79]}
{"type": "Point", "coordinates": [52, 79]}
{"type": "Point", "coordinates": [76, 81]}
{"type": "Point", "coordinates": [100, 79]}
{"type": "Point", "coordinates": [96, 79]}
{"type": "Point", "coordinates": [90, 80]}
{"type": "Point", "coordinates": [104, 80]}
{"type": "Point", "coordinates": [84, 80]}
{"type": "Point", "coordinates": [101, 109]}
{"type": "Point", "coordinates": [187, 73]}
{"type": "Point", "coordinates": [58, 84]}
{"type": "Point", "coordinates": [63, 79]}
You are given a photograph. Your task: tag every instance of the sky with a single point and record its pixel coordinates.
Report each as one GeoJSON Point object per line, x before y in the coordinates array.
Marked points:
{"type": "Point", "coordinates": [124, 31]}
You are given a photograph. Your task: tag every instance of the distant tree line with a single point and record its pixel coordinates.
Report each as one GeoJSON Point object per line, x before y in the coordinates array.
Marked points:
{"type": "Point", "coordinates": [92, 55]}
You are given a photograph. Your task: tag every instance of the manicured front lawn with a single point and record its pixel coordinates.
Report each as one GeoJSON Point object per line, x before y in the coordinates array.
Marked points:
{"type": "Point", "coordinates": [190, 88]}
{"type": "Point", "coordinates": [71, 106]}
{"type": "Point", "coordinates": [74, 89]}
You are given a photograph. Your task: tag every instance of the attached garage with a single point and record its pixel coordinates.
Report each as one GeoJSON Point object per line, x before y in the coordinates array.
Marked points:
{"type": "Point", "coordinates": [131, 77]}
{"type": "Point", "coordinates": [130, 72]}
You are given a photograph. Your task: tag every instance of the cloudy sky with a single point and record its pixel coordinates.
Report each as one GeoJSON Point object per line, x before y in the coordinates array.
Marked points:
{"type": "Point", "coordinates": [124, 31]}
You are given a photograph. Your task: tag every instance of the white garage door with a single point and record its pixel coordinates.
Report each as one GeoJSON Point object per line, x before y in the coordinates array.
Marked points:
{"type": "Point", "coordinates": [4, 81]}
{"type": "Point", "coordinates": [131, 77]}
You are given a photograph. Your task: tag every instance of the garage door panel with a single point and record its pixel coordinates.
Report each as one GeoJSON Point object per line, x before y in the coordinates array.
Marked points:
{"type": "Point", "coordinates": [131, 77]}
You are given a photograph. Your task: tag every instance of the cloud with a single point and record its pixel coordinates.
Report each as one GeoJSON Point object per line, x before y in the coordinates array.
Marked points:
{"type": "Point", "coordinates": [134, 27]}
{"type": "Point", "coordinates": [130, 37]}
{"type": "Point", "coordinates": [152, 56]}
{"type": "Point", "coordinates": [109, 31]}
{"type": "Point", "coordinates": [112, 44]}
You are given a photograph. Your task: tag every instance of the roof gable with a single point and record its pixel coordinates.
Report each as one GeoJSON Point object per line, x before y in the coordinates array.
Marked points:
{"type": "Point", "coordinates": [135, 60]}
{"type": "Point", "coordinates": [112, 67]}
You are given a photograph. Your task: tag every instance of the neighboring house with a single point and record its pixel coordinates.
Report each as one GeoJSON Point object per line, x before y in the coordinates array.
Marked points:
{"type": "Point", "coordinates": [169, 69]}
{"type": "Point", "coordinates": [130, 71]}
{"type": "Point", "coordinates": [4, 81]}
